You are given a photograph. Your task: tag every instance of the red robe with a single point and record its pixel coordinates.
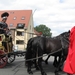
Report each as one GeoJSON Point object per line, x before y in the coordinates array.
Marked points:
{"type": "Point", "coordinates": [69, 65]}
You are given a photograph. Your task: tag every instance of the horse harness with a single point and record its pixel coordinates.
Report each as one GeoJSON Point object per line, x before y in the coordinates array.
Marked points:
{"type": "Point", "coordinates": [49, 53]}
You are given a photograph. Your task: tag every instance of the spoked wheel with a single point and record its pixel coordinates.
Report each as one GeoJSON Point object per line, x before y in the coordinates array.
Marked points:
{"type": "Point", "coordinates": [3, 61]}
{"type": "Point", "coordinates": [11, 58]}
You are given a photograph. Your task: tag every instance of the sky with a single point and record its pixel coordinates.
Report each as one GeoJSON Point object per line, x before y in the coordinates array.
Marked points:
{"type": "Point", "coordinates": [58, 15]}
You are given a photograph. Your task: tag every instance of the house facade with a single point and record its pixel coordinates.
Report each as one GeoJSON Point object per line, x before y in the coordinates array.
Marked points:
{"type": "Point", "coordinates": [20, 22]}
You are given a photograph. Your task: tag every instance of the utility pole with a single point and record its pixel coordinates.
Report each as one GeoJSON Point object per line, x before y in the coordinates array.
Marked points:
{"type": "Point", "coordinates": [34, 11]}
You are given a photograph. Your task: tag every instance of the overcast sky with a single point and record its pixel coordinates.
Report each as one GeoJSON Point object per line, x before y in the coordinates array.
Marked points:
{"type": "Point", "coordinates": [58, 15]}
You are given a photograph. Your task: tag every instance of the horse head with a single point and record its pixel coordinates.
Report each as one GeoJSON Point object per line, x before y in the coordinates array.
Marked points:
{"type": "Point", "coordinates": [65, 42]}
{"type": "Point", "coordinates": [65, 36]}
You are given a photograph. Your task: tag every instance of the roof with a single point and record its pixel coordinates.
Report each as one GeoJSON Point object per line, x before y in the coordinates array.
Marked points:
{"type": "Point", "coordinates": [17, 16]}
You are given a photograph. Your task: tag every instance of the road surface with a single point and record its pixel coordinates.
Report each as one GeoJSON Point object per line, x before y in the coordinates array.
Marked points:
{"type": "Point", "coordinates": [18, 68]}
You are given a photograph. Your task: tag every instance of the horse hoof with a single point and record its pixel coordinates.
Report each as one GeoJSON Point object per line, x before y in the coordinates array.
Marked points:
{"type": "Point", "coordinates": [56, 74]}
{"type": "Point", "coordinates": [30, 72]}
{"type": "Point", "coordinates": [44, 73]}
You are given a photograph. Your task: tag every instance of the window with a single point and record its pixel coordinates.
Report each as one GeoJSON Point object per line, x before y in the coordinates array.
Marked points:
{"type": "Point", "coordinates": [14, 18]}
{"type": "Point", "coordinates": [23, 18]}
{"type": "Point", "coordinates": [20, 25]}
{"type": "Point", "coordinates": [19, 41]}
{"type": "Point", "coordinates": [20, 33]}
{"type": "Point", "coordinates": [11, 25]}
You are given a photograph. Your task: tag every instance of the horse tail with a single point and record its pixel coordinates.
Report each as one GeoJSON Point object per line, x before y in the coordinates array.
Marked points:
{"type": "Point", "coordinates": [28, 54]}
{"type": "Point", "coordinates": [29, 43]}
{"type": "Point", "coordinates": [29, 47]}
{"type": "Point", "coordinates": [39, 51]}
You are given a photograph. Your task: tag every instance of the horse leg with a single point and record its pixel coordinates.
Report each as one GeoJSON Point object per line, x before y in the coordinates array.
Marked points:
{"type": "Point", "coordinates": [28, 64]}
{"type": "Point", "coordinates": [46, 61]}
{"type": "Point", "coordinates": [29, 67]}
{"type": "Point", "coordinates": [55, 61]}
{"type": "Point", "coordinates": [61, 61]}
{"type": "Point", "coordinates": [40, 66]}
{"type": "Point", "coordinates": [36, 64]}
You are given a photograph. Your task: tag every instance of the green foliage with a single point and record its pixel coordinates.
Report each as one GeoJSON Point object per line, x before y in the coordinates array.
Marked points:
{"type": "Point", "coordinates": [45, 30]}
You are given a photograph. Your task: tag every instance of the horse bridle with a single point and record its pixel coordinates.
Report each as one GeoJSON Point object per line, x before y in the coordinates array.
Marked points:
{"type": "Point", "coordinates": [65, 38]}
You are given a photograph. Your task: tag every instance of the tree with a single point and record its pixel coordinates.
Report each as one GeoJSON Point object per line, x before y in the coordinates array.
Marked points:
{"type": "Point", "coordinates": [45, 30]}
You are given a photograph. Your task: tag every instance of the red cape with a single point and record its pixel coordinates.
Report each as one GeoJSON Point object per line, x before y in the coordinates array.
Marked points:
{"type": "Point", "coordinates": [69, 65]}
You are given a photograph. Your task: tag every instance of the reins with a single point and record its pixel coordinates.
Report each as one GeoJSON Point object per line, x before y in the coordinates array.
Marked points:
{"type": "Point", "coordinates": [44, 55]}
{"type": "Point", "coordinates": [66, 40]}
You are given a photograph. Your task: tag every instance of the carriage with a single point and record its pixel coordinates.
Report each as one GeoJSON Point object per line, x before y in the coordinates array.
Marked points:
{"type": "Point", "coordinates": [7, 54]}
{"type": "Point", "coordinates": [6, 51]}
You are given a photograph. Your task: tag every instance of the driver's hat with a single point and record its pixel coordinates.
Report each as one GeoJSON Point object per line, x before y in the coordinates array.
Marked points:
{"type": "Point", "coordinates": [4, 15]}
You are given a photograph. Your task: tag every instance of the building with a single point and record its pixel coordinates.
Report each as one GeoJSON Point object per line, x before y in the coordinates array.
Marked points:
{"type": "Point", "coordinates": [20, 23]}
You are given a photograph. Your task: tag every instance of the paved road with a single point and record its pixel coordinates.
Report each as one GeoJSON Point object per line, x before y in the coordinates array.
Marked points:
{"type": "Point", "coordinates": [18, 68]}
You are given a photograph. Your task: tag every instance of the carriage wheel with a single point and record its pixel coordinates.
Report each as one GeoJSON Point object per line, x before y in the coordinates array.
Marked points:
{"type": "Point", "coordinates": [3, 61]}
{"type": "Point", "coordinates": [11, 58]}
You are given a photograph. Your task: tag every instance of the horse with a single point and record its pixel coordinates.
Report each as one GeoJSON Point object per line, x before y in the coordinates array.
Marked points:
{"type": "Point", "coordinates": [44, 45]}
{"type": "Point", "coordinates": [46, 61]}
{"type": "Point", "coordinates": [55, 59]}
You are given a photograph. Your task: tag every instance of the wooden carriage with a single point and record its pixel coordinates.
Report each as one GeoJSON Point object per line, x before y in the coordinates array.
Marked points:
{"type": "Point", "coordinates": [5, 49]}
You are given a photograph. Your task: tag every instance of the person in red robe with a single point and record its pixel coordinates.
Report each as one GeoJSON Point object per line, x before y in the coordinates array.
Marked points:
{"type": "Point", "coordinates": [69, 65]}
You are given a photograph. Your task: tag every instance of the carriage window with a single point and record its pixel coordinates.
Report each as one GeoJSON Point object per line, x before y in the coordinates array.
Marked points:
{"type": "Point", "coordinates": [20, 33]}
{"type": "Point", "coordinates": [19, 41]}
